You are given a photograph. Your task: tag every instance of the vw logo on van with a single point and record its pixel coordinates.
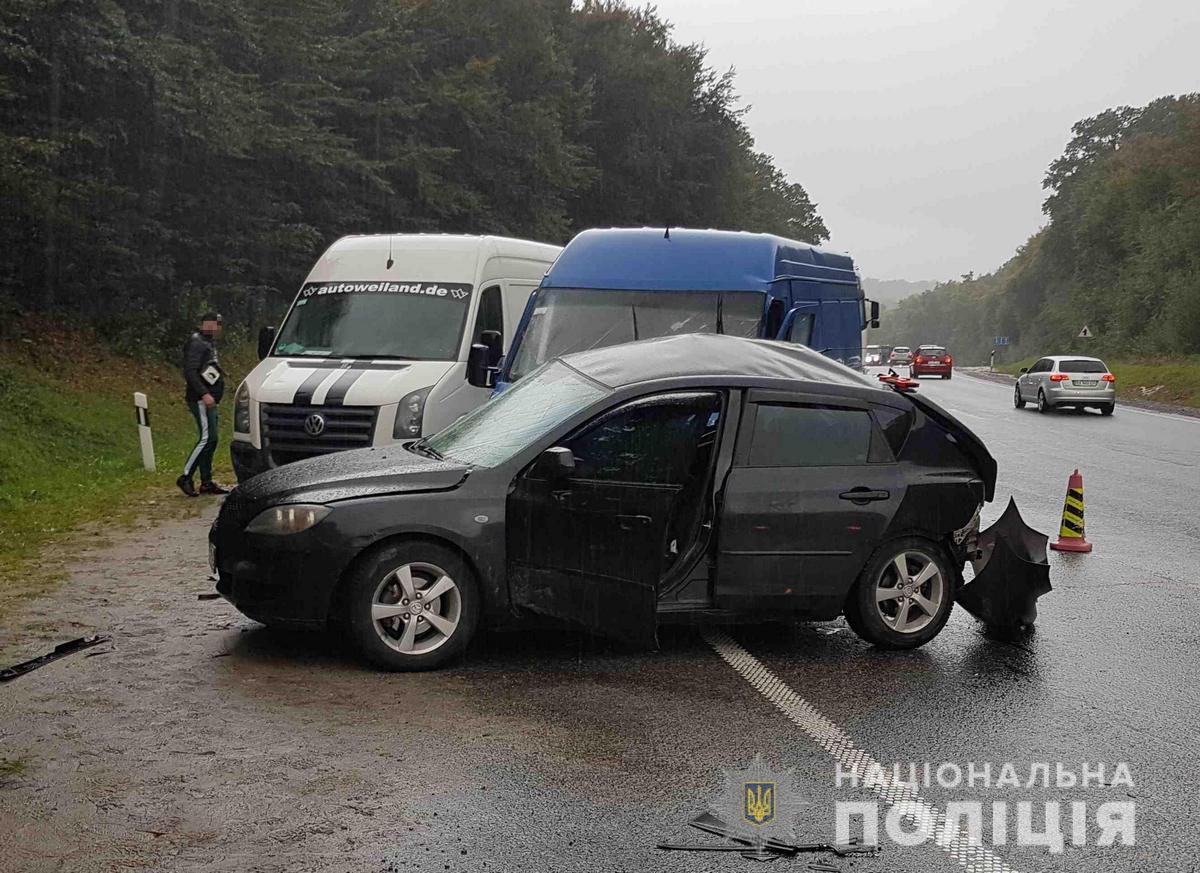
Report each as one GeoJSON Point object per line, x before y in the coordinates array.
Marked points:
{"type": "Point", "coordinates": [314, 425]}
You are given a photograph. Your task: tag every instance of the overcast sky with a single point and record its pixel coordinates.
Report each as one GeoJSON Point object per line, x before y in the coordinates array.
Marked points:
{"type": "Point", "coordinates": [923, 129]}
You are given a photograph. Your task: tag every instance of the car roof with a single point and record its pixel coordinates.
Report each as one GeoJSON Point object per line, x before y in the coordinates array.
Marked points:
{"type": "Point", "coordinates": [1057, 358]}
{"type": "Point", "coordinates": [752, 361]}
{"type": "Point", "coordinates": [932, 346]}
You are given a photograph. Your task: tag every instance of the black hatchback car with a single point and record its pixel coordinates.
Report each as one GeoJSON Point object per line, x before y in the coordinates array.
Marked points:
{"type": "Point", "coordinates": [695, 476]}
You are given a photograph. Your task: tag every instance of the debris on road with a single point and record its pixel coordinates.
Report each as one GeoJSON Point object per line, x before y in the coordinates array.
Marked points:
{"type": "Point", "coordinates": [208, 595]}
{"type": "Point", "coordinates": [712, 824]}
{"type": "Point", "coordinates": [1012, 573]}
{"type": "Point", "coordinates": [59, 651]}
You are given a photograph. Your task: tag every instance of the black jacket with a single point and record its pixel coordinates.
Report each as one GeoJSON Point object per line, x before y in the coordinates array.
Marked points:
{"type": "Point", "coordinates": [199, 358]}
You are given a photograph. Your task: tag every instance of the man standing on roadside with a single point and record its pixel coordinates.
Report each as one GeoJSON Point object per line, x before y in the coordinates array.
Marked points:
{"type": "Point", "coordinates": [205, 385]}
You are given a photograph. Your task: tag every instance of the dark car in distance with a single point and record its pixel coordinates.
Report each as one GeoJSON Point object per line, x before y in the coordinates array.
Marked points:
{"type": "Point", "coordinates": [694, 477]}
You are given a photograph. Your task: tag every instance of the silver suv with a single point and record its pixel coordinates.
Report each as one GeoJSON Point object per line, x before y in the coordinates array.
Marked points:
{"type": "Point", "coordinates": [1067, 381]}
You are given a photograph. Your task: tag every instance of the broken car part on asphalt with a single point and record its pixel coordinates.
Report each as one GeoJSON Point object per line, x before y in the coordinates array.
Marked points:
{"type": "Point", "coordinates": [1012, 572]}
{"type": "Point", "coordinates": [59, 651]}
{"type": "Point", "coordinates": [712, 824]}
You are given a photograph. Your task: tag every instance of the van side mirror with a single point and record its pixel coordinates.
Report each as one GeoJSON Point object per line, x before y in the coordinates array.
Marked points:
{"type": "Point", "coordinates": [873, 321]}
{"type": "Point", "coordinates": [555, 463]}
{"type": "Point", "coordinates": [266, 339]}
{"type": "Point", "coordinates": [1024, 370]}
{"type": "Point", "coordinates": [479, 372]}
{"type": "Point", "coordinates": [495, 343]}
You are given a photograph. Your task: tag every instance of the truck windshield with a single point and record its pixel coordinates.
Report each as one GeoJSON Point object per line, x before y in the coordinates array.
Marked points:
{"type": "Point", "coordinates": [411, 320]}
{"type": "Point", "coordinates": [506, 424]}
{"type": "Point", "coordinates": [567, 320]}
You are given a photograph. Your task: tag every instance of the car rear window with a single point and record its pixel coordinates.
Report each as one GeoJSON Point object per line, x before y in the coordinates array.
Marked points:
{"type": "Point", "coordinates": [1082, 367]}
{"type": "Point", "coordinates": [932, 352]}
{"type": "Point", "coordinates": [809, 436]}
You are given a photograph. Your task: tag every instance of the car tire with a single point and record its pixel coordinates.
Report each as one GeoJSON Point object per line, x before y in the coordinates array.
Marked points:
{"type": "Point", "coordinates": [947, 376]}
{"type": "Point", "coordinates": [874, 615]}
{"type": "Point", "coordinates": [1108, 409]}
{"type": "Point", "coordinates": [384, 579]}
{"type": "Point", "coordinates": [1043, 405]}
{"type": "Point", "coordinates": [1018, 400]}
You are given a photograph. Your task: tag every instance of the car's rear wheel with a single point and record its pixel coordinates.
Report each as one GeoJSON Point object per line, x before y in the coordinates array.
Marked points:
{"type": "Point", "coordinates": [904, 595]}
{"type": "Point", "coordinates": [1018, 400]}
{"type": "Point", "coordinates": [948, 374]}
{"type": "Point", "coordinates": [1043, 405]}
{"type": "Point", "coordinates": [411, 605]}
{"type": "Point", "coordinates": [1108, 408]}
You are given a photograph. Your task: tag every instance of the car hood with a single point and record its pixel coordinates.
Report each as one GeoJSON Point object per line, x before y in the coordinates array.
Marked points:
{"type": "Point", "coordinates": [369, 472]}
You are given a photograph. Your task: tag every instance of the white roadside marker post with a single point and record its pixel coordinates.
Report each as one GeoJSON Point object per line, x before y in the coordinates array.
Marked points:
{"type": "Point", "coordinates": [143, 419]}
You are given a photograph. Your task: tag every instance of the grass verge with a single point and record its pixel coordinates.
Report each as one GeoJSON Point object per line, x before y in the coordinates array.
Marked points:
{"type": "Point", "coordinates": [1174, 382]}
{"type": "Point", "coordinates": [69, 450]}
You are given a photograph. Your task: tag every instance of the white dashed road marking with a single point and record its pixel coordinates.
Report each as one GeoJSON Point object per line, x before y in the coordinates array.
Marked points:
{"type": "Point", "coordinates": [902, 795]}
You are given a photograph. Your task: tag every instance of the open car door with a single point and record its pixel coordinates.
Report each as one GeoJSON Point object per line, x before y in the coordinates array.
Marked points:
{"type": "Point", "coordinates": [593, 525]}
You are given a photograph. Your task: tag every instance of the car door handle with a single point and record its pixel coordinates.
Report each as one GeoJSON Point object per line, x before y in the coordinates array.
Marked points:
{"type": "Point", "coordinates": [629, 522]}
{"type": "Point", "coordinates": [862, 496]}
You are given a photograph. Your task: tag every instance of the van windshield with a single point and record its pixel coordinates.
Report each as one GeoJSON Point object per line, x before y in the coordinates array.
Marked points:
{"type": "Point", "coordinates": [410, 320]}
{"type": "Point", "coordinates": [567, 320]}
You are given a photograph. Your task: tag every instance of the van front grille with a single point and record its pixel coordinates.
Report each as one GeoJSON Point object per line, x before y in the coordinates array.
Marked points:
{"type": "Point", "coordinates": [292, 433]}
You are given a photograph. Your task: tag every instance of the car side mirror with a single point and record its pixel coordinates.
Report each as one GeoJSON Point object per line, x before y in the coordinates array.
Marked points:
{"type": "Point", "coordinates": [555, 463]}
{"type": "Point", "coordinates": [480, 373]}
{"type": "Point", "coordinates": [1024, 370]}
{"type": "Point", "coordinates": [266, 339]}
{"type": "Point", "coordinates": [873, 321]}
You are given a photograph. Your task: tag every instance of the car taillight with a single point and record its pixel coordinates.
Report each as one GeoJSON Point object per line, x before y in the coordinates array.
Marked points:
{"type": "Point", "coordinates": [920, 360]}
{"type": "Point", "coordinates": [1108, 377]}
{"type": "Point", "coordinates": [1059, 377]}
{"type": "Point", "coordinates": [949, 360]}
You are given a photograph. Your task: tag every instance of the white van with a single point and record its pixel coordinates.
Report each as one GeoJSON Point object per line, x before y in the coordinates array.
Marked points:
{"type": "Point", "coordinates": [374, 347]}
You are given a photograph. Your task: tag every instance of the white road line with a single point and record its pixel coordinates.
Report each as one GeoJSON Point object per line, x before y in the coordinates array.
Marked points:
{"type": "Point", "coordinates": [902, 795]}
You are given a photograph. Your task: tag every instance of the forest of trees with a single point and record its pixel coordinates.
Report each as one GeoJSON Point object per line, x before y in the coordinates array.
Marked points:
{"type": "Point", "coordinates": [1120, 252]}
{"type": "Point", "coordinates": [158, 156]}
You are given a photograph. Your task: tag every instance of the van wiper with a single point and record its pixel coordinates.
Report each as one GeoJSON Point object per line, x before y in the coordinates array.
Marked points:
{"type": "Point", "coordinates": [376, 357]}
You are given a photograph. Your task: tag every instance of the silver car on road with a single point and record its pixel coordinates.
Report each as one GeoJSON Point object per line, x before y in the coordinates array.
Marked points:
{"type": "Point", "coordinates": [1071, 381]}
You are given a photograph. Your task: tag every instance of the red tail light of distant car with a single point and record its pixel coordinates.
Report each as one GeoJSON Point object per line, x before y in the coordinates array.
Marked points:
{"type": "Point", "coordinates": [1108, 377]}
{"type": "Point", "coordinates": [1059, 377]}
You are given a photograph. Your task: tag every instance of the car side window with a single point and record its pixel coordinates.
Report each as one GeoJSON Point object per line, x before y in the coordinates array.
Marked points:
{"type": "Point", "coordinates": [491, 312]}
{"type": "Point", "coordinates": [787, 435]}
{"type": "Point", "coordinates": [660, 440]}
{"type": "Point", "coordinates": [1042, 366]}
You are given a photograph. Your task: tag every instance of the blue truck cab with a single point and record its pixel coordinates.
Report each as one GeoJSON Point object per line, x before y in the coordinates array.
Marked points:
{"type": "Point", "coordinates": [617, 285]}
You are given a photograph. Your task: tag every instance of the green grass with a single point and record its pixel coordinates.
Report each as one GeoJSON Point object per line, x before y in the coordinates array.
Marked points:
{"type": "Point", "coordinates": [10, 767]}
{"type": "Point", "coordinates": [69, 450]}
{"type": "Point", "coordinates": [1175, 381]}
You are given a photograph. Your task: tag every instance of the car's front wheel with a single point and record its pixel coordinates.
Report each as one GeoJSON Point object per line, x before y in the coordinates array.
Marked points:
{"type": "Point", "coordinates": [904, 595]}
{"type": "Point", "coordinates": [411, 605]}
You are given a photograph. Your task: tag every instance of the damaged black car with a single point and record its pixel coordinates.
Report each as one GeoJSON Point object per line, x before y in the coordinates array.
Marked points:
{"type": "Point", "coordinates": [695, 477]}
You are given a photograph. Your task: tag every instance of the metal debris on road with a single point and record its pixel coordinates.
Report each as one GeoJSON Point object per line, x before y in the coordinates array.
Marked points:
{"type": "Point", "coordinates": [712, 824]}
{"type": "Point", "coordinates": [59, 651]}
{"type": "Point", "coordinates": [1013, 572]}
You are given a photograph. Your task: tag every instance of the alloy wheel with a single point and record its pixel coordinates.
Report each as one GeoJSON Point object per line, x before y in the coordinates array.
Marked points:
{"type": "Point", "coordinates": [909, 592]}
{"type": "Point", "coordinates": [416, 608]}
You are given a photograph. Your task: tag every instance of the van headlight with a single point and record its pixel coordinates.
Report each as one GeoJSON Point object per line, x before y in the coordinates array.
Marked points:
{"type": "Point", "coordinates": [290, 518]}
{"type": "Point", "coordinates": [409, 415]}
{"type": "Point", "coordinates": [241, 409]}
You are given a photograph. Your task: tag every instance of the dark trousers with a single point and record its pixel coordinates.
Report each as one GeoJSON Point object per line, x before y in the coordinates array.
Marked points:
{"type": "Point", "coordinates": [206, 443]}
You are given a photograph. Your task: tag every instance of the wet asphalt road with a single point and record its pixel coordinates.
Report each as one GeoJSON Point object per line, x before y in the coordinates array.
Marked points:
{"type": "Point", "coordinates": [550, 751]}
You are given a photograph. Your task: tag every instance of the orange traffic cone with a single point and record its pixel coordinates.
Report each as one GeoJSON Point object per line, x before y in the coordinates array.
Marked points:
{"type": "Point", "coordinates": [1070, 533]}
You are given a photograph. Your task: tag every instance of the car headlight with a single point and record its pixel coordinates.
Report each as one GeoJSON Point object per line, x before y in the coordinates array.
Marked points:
{"type": "Point", "coordinates": [409, 414]}
{"type": "Point", "coordinates": [241, 409]}
{"type": "Point", "coordinates": [289, 518]}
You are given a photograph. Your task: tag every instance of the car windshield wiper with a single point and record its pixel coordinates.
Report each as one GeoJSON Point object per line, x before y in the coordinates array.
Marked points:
{"type": "Point", "coordinates": [423, 448]}
{"type": "Point", "coordinates": [376, 357]}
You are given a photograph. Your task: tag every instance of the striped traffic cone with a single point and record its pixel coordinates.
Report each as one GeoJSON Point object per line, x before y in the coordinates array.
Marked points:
{"type": "Point", "coordinates": [1070, 534]}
